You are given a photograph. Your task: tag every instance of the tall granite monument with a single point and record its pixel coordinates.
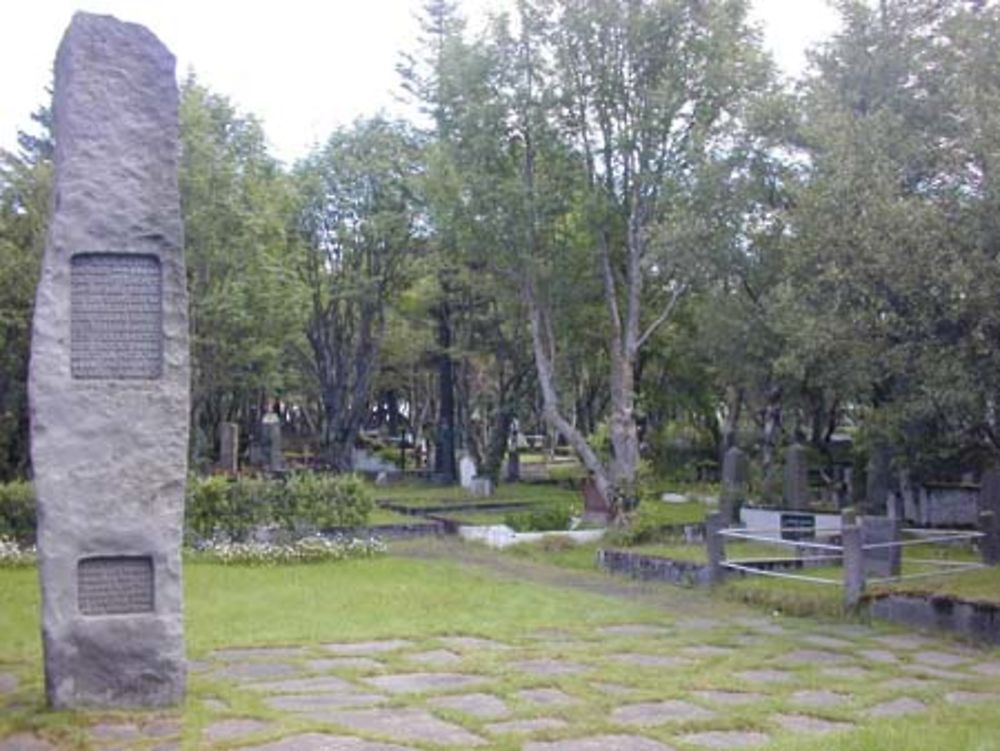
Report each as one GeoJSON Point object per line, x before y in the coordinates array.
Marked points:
{"type": "Point", "coordinates": [109, 376]}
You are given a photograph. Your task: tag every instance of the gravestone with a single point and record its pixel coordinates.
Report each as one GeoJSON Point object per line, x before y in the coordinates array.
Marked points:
{"type": "Point", "coordinates": [878, 477]}
{"type": "Point", "coordinates": [881, 562]}
{"type": "Point", "coordinates": [270, 432]}
{"type": "Point", "coordinates": [595, 508]}
{"type": "Point", "coordinates": [229, 447]}
{"type": "Point", "coordinates": [735, 469]}
{"type": "Point", "coordinates": [989, 516]}
{"type": "Point", "coordinates": [109, 376]}
{"type": "Point", "coordinates": [466, 471]}
{"type": "Point", "coordinates": [796, 486]}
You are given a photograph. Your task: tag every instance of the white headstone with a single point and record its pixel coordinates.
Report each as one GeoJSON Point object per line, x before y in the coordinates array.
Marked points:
{"type": "Point", "coordinates": [466, 471]}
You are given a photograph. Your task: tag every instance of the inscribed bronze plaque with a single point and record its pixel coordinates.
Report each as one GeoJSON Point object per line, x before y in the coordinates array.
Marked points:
{"type": "Point", "coordinates": [116, 316]}
{"type": "Point", "coordinates": [115, 585]}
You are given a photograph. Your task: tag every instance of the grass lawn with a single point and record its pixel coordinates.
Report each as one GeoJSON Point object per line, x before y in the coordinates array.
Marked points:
{"type": "Point", "coordinates": [422, 601]}
{"type": "Point", "coordinates": [413, 493]}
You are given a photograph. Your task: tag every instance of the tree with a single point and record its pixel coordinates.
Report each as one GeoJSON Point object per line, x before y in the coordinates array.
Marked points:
{"type": "Point", "coordinates": [359, 228]}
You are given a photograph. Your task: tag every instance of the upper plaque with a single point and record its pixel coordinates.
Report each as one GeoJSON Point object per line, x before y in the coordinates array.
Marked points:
{"type": "Point", "coordinates": [116, 316]}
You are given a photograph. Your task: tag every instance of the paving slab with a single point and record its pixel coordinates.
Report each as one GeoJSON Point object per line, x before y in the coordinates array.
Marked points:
{"type": "Point", "coordinates": [708, 650]}
{"type": "Point", "coordinates": [849, 672]}
{"type": "Point", "coordinates": [403, 724]}
{"type": "Point", "coordinates": [615, 689]}
{"type": "Point", "coordinates": [818, 698]}
{"type": "Point", "coordinates": [945, 675]}
{"type": "Point", "coordinates": [367, 647]}
{"type": "Point", "coordinates": [635, 629]}
{"type": "Point", "coordinates": [828, 642]}
{"type": "Point", "coordinates": [546, 697]}
{"type": "Point", "coordinates": [883, 656]}
{"type": "Point", "coordinates": [909, 684]}
{"type": "Point", "coordinates": [414, 683]}
{"type": "Point", "coordinates": [728, 698]}
{"type": "Point", "coordinates": [167, 726]}
{"type": "Point", "coordinates": [8, 683]}
{"type": "Point", "coordinates": [114, 732]}
{"type": "Point", "coordinates": [988, 668]}
{"type": "Point", "coordinates": [903, 642]}
{"type": "Point", "coordinates": [485, 706]}
{"type": "Point", "coordinates": [648, 714]}
{"type": "Point", "coordinates": [314, 702]}
{"type": "Point", "coordinates": [726, 739]}
{"type": "Point", "coordinates": [344, 663]}
{"type": "Point", "coordinates": [800, 723]}
{"type": "Point", "coordinates": [814, 657]}
{"type": "Point", "coordinates": [303, 685]}
{"type": "Point", "coordinates": [25, 742]}
{"type": "Point", "coordinates": [967, 698]}
{"type": "Point", "coordinates": [939, 659]}
{"type": "Point", "coordinates": [765, 675]}
{"type": "Point", "coordinates": [599, 743]}
{"type": "Point", "coordinates": [897, 707]}
{"type": "Point", "coordinates": [547, 667]}
{"type": "Point", "coordinates": [435, 657]}
{"type": "Point", "coordinates": [532, 725]}
{"type": "Point", "coordinates": [226, 730]}
{"type": "Point", "coordinates": [651, 661]}
{"type": "Point", "coordinates": [473, 643]}
{"type": "Point", "coordinates": [260, 670]}
{"type": "Point", "coordinates": [324, 742]}
{"type": "Point", "coordinates": [239, 654]}
{"type": "Point", "coordinates": [700, 625]}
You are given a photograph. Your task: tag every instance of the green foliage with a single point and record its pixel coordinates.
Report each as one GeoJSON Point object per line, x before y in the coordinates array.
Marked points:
{"type": "Point", "coordinates": [233, 509]}
{"type": "Point", "coordinates": [18, 519]}
{"type": "Point", "coordinates": [544, 519]}
{"type": "Point", "coordinates": [656, 521]}
{"type": "Point", "coordinates": [323, 501]}
{"type": "Point", "coordinates": [306, 550]}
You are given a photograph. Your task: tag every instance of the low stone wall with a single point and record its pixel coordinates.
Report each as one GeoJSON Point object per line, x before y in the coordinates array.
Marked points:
{"type": "Point", "coordinates": [978, 621]}
{"type": "Point", "coordinates": [653, 567]}
{"type": "Point", "coordinates": [391, 531]}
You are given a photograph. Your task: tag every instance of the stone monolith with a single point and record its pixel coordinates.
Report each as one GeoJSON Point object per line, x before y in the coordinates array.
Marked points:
{"type": "Point", "coordinates": [109, 376]}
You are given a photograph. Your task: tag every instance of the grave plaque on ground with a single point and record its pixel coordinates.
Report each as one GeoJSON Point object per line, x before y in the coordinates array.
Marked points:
{"type": "Point", "coordinates": [109, 376]}
{"type": "Point", "coordinates": [796, 487]}
{"type": "Point", "coordinates": [734, 484]}
{"type": "Point", "coordinates": [229, 447]}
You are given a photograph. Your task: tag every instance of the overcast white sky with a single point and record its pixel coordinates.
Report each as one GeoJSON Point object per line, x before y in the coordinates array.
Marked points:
{"type": "Point", "coordinates": [302, 66]}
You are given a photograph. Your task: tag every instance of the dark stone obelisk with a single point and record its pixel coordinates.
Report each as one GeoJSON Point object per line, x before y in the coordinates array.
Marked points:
{"type": "Point", "coordinates": [109, 380]}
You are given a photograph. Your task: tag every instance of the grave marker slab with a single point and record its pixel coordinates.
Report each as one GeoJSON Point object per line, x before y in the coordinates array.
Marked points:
{"type": "Point", "coordinates": [229, 447]}
{"type": "Point", "coordinates": [109, 376]}
{"type": "Point", "coordinates": [796, 486]}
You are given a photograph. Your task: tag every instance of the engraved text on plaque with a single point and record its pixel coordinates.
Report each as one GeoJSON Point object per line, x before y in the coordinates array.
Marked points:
{"type": "Point", "coordinates": [116, 316]}
{"type": "Point", "coordinates": [115, 586]}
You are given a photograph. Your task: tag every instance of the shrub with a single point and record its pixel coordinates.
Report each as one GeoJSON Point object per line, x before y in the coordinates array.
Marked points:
{"type": "Point", "coordinates": [218, 506]}
{"type": "Point", "coordinates": [545, 519]}
{"type": "Point", "coordinates": [17, 511]}
{"type": "Point", "coordinates": [324, 501]}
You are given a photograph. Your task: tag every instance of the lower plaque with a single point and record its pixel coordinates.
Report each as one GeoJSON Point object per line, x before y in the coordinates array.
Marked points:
{"type": "Point", "coordinates": [115, 585]}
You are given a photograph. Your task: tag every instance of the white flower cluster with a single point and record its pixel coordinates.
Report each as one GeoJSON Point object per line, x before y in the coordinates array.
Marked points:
{"type": "Point", "coordinates": [12, 554]}
{"type": "Point", "coordinates": [306, 550]}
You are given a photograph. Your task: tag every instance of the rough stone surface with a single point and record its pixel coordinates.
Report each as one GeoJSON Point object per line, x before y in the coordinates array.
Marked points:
{"type": "Point", "coordinates": [316, 702]}
{"type": "Point", "coordinates": [8, 683]}
{"type": "Point", "coordinates": [656, 713]}
{"type": "Point", "coordinates": [240, 654]}
{"type": "Point", "coordinates": [473, 643]}
{"type": "Point", "coordinates": [635, 629]}
{"type": "Point", "coordinates": [800, 723]}
{"type": "Point", "coordinates": [368, 647]}
{"type": "Point", "coordinates": [726, 739]}
{"type": "Point", "coordinates": [909, 684]}
{"type": "Point", "coordinates": [818, 698]}
{"type": "Point", "coordinates": [546, 667]}
{"type": "Point", "coordinates": [965, 698]}
{"type": "Point", "coordinates": [301, 685]}
{"type": "Point", "coordinates": [404, 724]}
{"type": "Point", "coordinates": [939, 659]}
{"type": "Point", "coordinates": [651, 661]}
{"type": "Point", "coordinates": [708, 650]}
{"type": "Point", "coordinates": [108, 732]}
{"type": "Point", "coordinates": [988, 668]}
{"type": "Point", "coordinates": [929, 670]}
{"type": "Point", "coordinates": [344, 663]}
{"type": "Point", "coordinates": [613, 688]}
{"type": "Point", "coordinates": [897, 708]}
{"type": "Point", "coordinates": [109, 376]}
{"type": "Point", "coordinates": [879, 655]}
{"type": "Point", "coordinates": [225, 730]}
{"type": "Point", "coordinates": [532, 725]}
{"type": "Point", "coordinates": [848, 673]}
{"type": "Point", "coordinates": [728, 698]}
{"type": "Point", "coordinates": [600, 743]}
{"type": "Point", "coordinates": [813, 657]}
{"type": "Point", "coordinates": [25, 742]}
{"type": "Point", "coordinates": [324, 742]}
{"type": "Point", "coordinates": [902, 641]}
{"type": "Point", "coordinates": [827, 642]}
{"type": "Point", "coordinates": [485, 706]}
{"type": "Point", "coordinates": [263, 670]}
{"type": "Point", "coordinates": [764, 675]}
{"type": "Point", "coordinates": [545, 697]}
{"type": "Point", "coordinates": [435, 657]}
{"type": "Point", "coordinates": [413, 683]}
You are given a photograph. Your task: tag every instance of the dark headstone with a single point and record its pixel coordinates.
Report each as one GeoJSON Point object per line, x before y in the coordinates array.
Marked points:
{"type": "Point", "coordinates": [595, 507]}
{"type": "Point", "coordinates": [796, 487]}
{"type": "Point", "coordinates": [270, 430]}
{"type": "Point", "coordinates": [109, 376]}
{"type": "Point", "coordinates": [229, 447]}
{"type": "Point", "coordinates": [881, 561]}
{"type": "Point", "coordinates": [735, 470]}
{"type": "Point", "coordinates": [989, 516]}
{"type": "Point", "coordinates": [878, 478]}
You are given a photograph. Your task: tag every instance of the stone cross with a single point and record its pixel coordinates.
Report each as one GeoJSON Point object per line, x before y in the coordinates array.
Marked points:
{"type": "Point", "coordinates": [796, 487]}
{"type": "Point", "coordinates": [109, 376]}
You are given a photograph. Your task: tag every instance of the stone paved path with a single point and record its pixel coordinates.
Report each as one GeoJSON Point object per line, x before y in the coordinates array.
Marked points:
{"type": "Point", "coordinates": [687, 682]}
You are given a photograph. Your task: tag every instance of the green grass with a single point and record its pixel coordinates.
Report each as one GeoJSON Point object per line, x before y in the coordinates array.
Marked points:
{"type": "Point", "coordinates": [558, 552]}
{"type": "Point", "coordinates": [385, 516]}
